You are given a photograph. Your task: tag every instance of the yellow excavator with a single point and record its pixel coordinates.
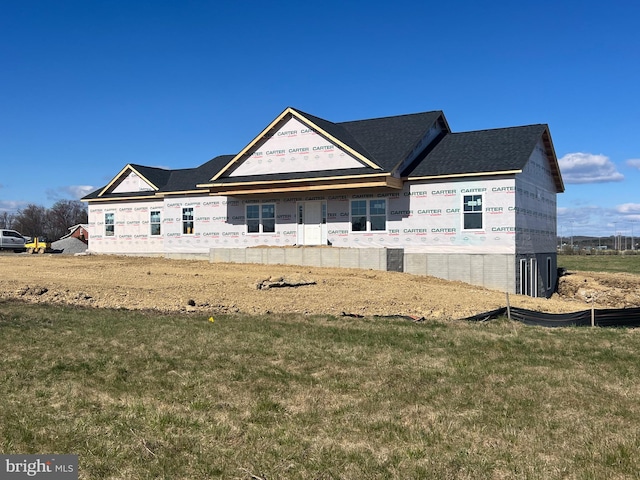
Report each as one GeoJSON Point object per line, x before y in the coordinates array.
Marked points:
{"type": "Point", "coordinates": [38, 245]}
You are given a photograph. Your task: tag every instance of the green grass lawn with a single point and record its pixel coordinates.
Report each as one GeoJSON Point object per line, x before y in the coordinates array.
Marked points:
{"type": "Point", "coordinates": [141, 396]}
{"type": "Point", "coordinates": [601, 263]}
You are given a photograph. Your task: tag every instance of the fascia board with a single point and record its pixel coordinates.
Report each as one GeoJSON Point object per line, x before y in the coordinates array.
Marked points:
{"type": "Point", "coordinates": [546, 139]}
{"type": "Point", "coordinates": [181, 192]}
{"type": "Point", "coordinates": [463, 175]}
{"type": "Point", "coordinates": [118, 199]}
{"type": "Point", "coordinates": [294, 180]}
{"type": "Point", "coordinates": [388, 182]}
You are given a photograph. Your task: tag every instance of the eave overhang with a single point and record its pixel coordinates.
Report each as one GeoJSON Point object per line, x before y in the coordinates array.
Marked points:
{"type": "Point", "coordinates": [119, 199]}
{"type": "Point", "coordinates": [382, 180]}
{"type": "Point", "coordinates": [555, 167]}
{"type": "Point", "coordinates": [463, 175]}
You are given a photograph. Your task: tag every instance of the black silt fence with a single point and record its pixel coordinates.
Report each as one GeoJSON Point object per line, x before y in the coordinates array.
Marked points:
{"type": "Point", "coordinates": [615, 317]}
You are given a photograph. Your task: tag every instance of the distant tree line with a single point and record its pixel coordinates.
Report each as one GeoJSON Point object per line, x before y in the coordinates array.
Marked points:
{"type": "Point", "coordinates": [53, 223]}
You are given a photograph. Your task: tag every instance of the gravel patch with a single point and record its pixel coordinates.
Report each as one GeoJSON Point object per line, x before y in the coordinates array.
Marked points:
{"type": "Point", "coordinates": [69, 246]}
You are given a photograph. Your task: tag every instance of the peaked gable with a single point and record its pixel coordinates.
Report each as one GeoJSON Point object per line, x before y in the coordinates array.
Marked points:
{"type": "Point", "coordinates": [278, 125]}
{"type": "Point", "coordinates": [135, 179]}
{"type": "Point", "coordinates": [294, 147]}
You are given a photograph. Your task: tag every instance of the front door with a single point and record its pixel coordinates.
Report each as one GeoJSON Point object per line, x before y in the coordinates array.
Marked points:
{"type": "Point", "coordinates": [310, 223]}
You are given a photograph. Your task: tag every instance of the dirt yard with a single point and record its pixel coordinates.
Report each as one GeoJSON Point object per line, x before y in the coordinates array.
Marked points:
{"type": "Point", "coordinates": [199, 286]}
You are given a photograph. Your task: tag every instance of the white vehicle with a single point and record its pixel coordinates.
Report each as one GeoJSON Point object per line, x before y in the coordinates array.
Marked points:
{"type": "Point", "coordinates": [11, 240]}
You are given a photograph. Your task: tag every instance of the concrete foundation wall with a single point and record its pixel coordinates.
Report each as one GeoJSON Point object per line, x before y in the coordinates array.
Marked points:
{"type": "Point", "coordinates": [496, 272]}
{"type": "Point", "coordinates": [366, 258]}
{"type": "Point", "coordinates": [186, 256]}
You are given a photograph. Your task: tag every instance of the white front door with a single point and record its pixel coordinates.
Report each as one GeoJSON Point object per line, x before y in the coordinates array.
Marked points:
{"type": "Point", "coordinates": [310, 223]}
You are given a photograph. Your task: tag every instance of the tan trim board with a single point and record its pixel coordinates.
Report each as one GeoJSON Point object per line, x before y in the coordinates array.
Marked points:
{"type": "Point", "coordinates": [183, 192]}
{"type": "Point", "coordinates": [118, 199]}
{"type": "Point", "coordinates": [293, 180]}
{"type": "Point", "coordinates": [462, 175]}
{"type": "Point", "coordinates": [306, 188]}
{"type": "Point", "coordinates": [548, 143]}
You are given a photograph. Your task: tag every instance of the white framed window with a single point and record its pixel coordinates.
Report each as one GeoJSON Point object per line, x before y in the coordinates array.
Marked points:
{"type": "Point", "coordinates": [261, 218]}
{"type": "Point", "coordinates": [155, 222]}
{"type": "Point", "coordinates": [187, 221]}
{"type": "Point", "coordinates": [472, 211]}
{"type": "Point", "coordinates": [369, 215]}
{"type": "Point", "coordinates": [109, 225]}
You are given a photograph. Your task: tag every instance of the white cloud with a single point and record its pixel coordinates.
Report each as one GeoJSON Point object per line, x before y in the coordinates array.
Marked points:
{"type": "Point", "coordinates": [634, 162]}
{"type": "Point", "coordinates": [588, 168]}
{"type": "Point", "coordinates": [75, 192]}
{"type": "Point", "coordinates": [628, 208]}
{"type": "Point", "coordinates": [11, 206]}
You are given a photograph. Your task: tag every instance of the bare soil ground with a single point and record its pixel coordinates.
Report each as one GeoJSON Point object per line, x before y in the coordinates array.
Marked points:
{"type": "Point", "coordinates": [199, 286]}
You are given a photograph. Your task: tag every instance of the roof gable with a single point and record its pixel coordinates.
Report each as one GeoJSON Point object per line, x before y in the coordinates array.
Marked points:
{"type": "Point", "coordinates": [135, 179]}
{"type": "Point", "coordinates": [294, 147]}
{"type": "Point", "coordinates": [326, 130]}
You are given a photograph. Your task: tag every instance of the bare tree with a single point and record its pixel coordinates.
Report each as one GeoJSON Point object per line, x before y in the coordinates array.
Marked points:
{"type": "Point", "coordinates": [31, 220]}
{"type": "Point", "coordinates": [6, 220]}
{"type": "Point", "coordinates": [64, 214]}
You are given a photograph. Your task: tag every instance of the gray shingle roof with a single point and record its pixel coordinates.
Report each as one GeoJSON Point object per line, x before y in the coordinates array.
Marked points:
{"type": "Point", "coordinates": [390, 140]}
{"type": "Point", "coordinates": [497, 150]}
{"type": "Point", "coordinates": [187, 179]}
{"type": "Point", "coordinates": [386, 141]}
{"type": "Point", "coordinates": [158, 176]}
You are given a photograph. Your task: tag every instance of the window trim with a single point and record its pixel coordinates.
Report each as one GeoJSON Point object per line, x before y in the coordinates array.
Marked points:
{"type": "Point", "coordinates": [260, 218]}
{"type": "Point", "coordinates": [186, 221]}
{"type": "Point", "coordinates": [110, 227]}
{"type": "Point", "coordinates": [368, 215]}
{"type": "Point", "coordinates": [482, 211]}
{"type": "Point", "coordinates": [158, 223]}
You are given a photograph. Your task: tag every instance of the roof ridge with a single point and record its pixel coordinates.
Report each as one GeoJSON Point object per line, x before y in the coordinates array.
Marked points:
{"type": "Point", "coordinates": [386, 117]}
{"type": "Point", "coordinates": [501, 128]}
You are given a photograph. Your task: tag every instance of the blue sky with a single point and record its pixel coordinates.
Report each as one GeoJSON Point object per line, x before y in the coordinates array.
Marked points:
{"type": "Point", "coordinates": [89, 86]}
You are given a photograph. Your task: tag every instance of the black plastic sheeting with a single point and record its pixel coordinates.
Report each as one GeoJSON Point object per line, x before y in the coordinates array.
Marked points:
{"type": "Point", "coordinates": [615, 317]}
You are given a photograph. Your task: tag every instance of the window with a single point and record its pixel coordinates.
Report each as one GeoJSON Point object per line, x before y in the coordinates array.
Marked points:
{"type": "Point", "coordinates": [549, 276]}
{"type": "Point", "coordinates": [368, 215]}
{"type": "Point", "coordinates": [472, 209]}
{"type": "Point", "coordinates": [187, 221]}
{"type": "Point", "coordinates": [109, 224]}
{"type": "Point", "coordinates": [261, 218]}
{"type": "Point", "coordinates": [378, 215]}
{"type": "Point", "coordinates": [154, 221]}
